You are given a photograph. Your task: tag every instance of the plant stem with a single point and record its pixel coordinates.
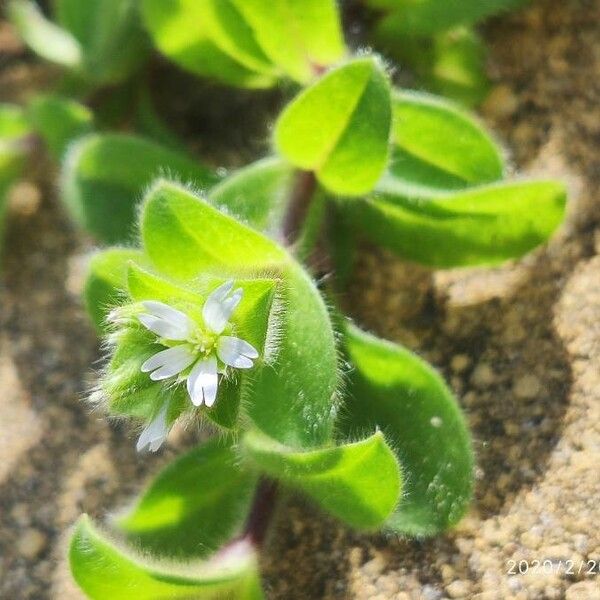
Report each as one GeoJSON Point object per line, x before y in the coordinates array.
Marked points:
{"type": "Point", "coordinates": [261, 513]}
{"type": "Point", "coordinates": [300, 197]}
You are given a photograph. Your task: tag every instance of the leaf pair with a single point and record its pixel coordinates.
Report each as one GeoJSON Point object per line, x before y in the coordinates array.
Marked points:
{"type": "Point", "coordinates": [99, 40]}
{"type": "Point", "coordinates": [247, 43]}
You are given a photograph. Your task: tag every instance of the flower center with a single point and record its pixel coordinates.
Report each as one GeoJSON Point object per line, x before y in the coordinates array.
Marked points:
{"type": "Point", "coordinates": [204, 343]}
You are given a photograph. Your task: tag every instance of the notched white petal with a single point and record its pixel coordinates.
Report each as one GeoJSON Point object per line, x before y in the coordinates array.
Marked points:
{"type": "Point", "coordinates": [169, 362]}
{"type": "Point", "coordinates": [203, 382]}
{"type": "Point", "coordinates": [156, 432]}
{"type": "Point", "coordinates": [220, 305]}
{"type": "Point", "coordinates": [166, 321]}
{"type": "Point", "coordinates": [236, 352]}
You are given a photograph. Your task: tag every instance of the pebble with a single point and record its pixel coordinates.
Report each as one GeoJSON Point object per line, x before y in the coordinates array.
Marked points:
{"type": "Point", "coordinates": [483, 376]}
{"type": "Point", "coordinates": [527, 387]}
{"type": "Point", "coordinates": [31, 543]}
{"type": "Point", "coordinates": [459, 588]}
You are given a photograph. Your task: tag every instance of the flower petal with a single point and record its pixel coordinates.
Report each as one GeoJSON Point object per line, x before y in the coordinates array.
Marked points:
{"type": "Point", "coordinates": [166, 321]}
{"type": "Point", "coordinates": [236, 352]}
{"type": "Point", "coordinates": [155, 433]}
{"type": "Point", "coordinates": [203, 382]}
{"type": "Point", "coordinates": [219, 306]}
{"type": "Point", "coordinates": [169, 362]}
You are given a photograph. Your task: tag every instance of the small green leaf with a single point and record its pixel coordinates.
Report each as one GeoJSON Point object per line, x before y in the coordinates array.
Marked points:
{"type": "Point", "coordinates": [104, 176]}
{"type": "Point", "coordinates": [293, 398]}
{"type": "Point", "coordinates": [209, 38]}
{"type": "Point", "coordinates": [104, 570]}
{"type": "Point", "coordinates": [299, 36]}
{"type": "Point", "coordinates": [359, 483]}
{"type": "Point", "coordinates": [194, 506]}
{"type": "Point", "coordinates": [393, 390]}
{"type": "Point", "coordinates": [44, 37]}
{"type": "Point", "coordinates": [427, 17]}
{"type": "Point", "coordinates": [479, 226]}
{"type": "Point", "coordinates": [339, 128]}
{"type": "Point", "coordinates": [257, 194]}
{"type": "Point", "coordinates": [438, 147]}
{"type": "Point", "coordinates": [59, 121]}
{"type": "Point", "coordinates": [109, 33]}
{"type": "Point", "coordinates": [184, 236]}
{"type": "Point", "coordinates": [106, 282]}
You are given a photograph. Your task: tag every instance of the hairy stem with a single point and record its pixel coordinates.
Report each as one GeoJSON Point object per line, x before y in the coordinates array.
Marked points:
{"type": "Point", "coordinates": [301, 195]}
{"type": "Point", "coordinates": [261, 513]}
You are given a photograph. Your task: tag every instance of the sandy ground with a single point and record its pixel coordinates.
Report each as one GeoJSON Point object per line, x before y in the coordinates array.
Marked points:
{"type": "Point", "coordinates": [520, 345]}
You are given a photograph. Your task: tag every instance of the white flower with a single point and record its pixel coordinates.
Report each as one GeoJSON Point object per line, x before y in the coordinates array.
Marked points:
{"type": "Point", "coordinates": [204, 349]}
{"type": "Point", "coordinates": [156, 432]}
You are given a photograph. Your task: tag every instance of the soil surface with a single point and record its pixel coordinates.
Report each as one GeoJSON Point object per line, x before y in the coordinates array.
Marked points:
{"type": "Point", "coordinates": [520, 345]}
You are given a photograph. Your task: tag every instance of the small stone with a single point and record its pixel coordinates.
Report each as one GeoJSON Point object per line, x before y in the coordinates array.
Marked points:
{"type": "Point", "coordinates": [24, 198]}
{"type": "Point", "coordinates": [584, 590]}
{"type": "Point", "coordinates": [527, 387]}
{"type": "Point", "coordinates": [460, 362]}
{"type": "Point", "coordinates": [501, 102]}
{"type": "Point", "coordinates": [31, 543]}
{"type": "Point", "coordinates": [459, 589]}
{"type": "Point", "coordinates": [483, 375]}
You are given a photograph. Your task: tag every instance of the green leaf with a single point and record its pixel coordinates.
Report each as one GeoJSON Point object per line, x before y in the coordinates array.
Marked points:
{"type": "Point", "coordinates": [59, 121]}
{"type": "Point", "coordinates": [44, 37]}
{"type": "Point", "coordinates": [184, 236]}
{"type": "Point", "coordinates": [393, 390]}
{"type": "Point", "coordinates": [257, 194]}
{"type": "Point", "coordinates": [339, 128]}
{"type": "Point", "coordinates": [194, 506]}
{"type": "Point", "coordinates": [104, 570]}
{"type": "Point", "coordinates": [438, 147]}
{"type": "Point", "coordinates": [104, 176]}
{"type": "Point", "coordinates": [109, 33]}
{"type": "Point", "coordinates": [208, 38]}
{"type": "Point", "coordinates": [106, 282]}
{"type": "Point", "coordinates": [480, 226]}
{"type": "Point", "coordinates": [13, 123]}
{"type": "Point", "coordinates": [299, 36]}
{"type": "Point", "coordinates": [359, 483]}
{"type": "Point", "coordinates": [427, 17]}
{"type": "Point", "coordinates": [293, 398]}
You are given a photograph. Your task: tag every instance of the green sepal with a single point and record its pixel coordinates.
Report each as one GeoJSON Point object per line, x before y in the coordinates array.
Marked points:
{"type": "Point", "coordinates": [194, 506]}
{"type": "Point", "coordinates": [106, 569]}
{"type": "Point", "coordinates": [392, 390]}
{"type": "Point", "coordinates": [106, 282]}
{"type": "Point", "coordinates": [359, 483]}
{"type": "Point", "coordinates": [339, 128]}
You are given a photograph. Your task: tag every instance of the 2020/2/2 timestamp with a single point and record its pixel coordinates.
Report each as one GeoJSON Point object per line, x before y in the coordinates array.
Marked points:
{"type": "Point", "coordinates": [581, 568]}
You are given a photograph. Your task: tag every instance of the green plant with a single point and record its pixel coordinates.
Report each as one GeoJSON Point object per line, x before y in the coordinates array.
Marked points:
{"type": "Point", "coordinates": [211, 311]}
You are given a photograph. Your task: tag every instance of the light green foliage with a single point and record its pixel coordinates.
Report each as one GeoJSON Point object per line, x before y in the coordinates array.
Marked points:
{"type": "Point", "coordinates": [106, 282]}
{"type": "Point", "coordinates": [257, 194]}
{"type": "Point", "coordinates": [393, 390]}
{"type": "Point", "coordinates": [195, 505]}
{"type": "Point", "coordinates": [59, 121]}
{"type": "Point", "coordinates": [339, 128]}
{"type": "Point", "coordinates": [437, 147]}
{"type": "Point", "coordinates": [427, 17]}
{"type": "Point", "coordinates": [106, 570]}
{"type": "Point", "coordinates": [480, 226]}
{"type": "Point", "coordinates": [359, 482]}
{"type": "Point", "coordinates": [104, 176]}
{"type": "Point", "coordinates": [210, 38]}
{"type": "Point", "coordinates": [99, 39]}
{"type": "Point", "coordinates": [44, 37]}
{"type": "Point", "coordinates": [301, 37]}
